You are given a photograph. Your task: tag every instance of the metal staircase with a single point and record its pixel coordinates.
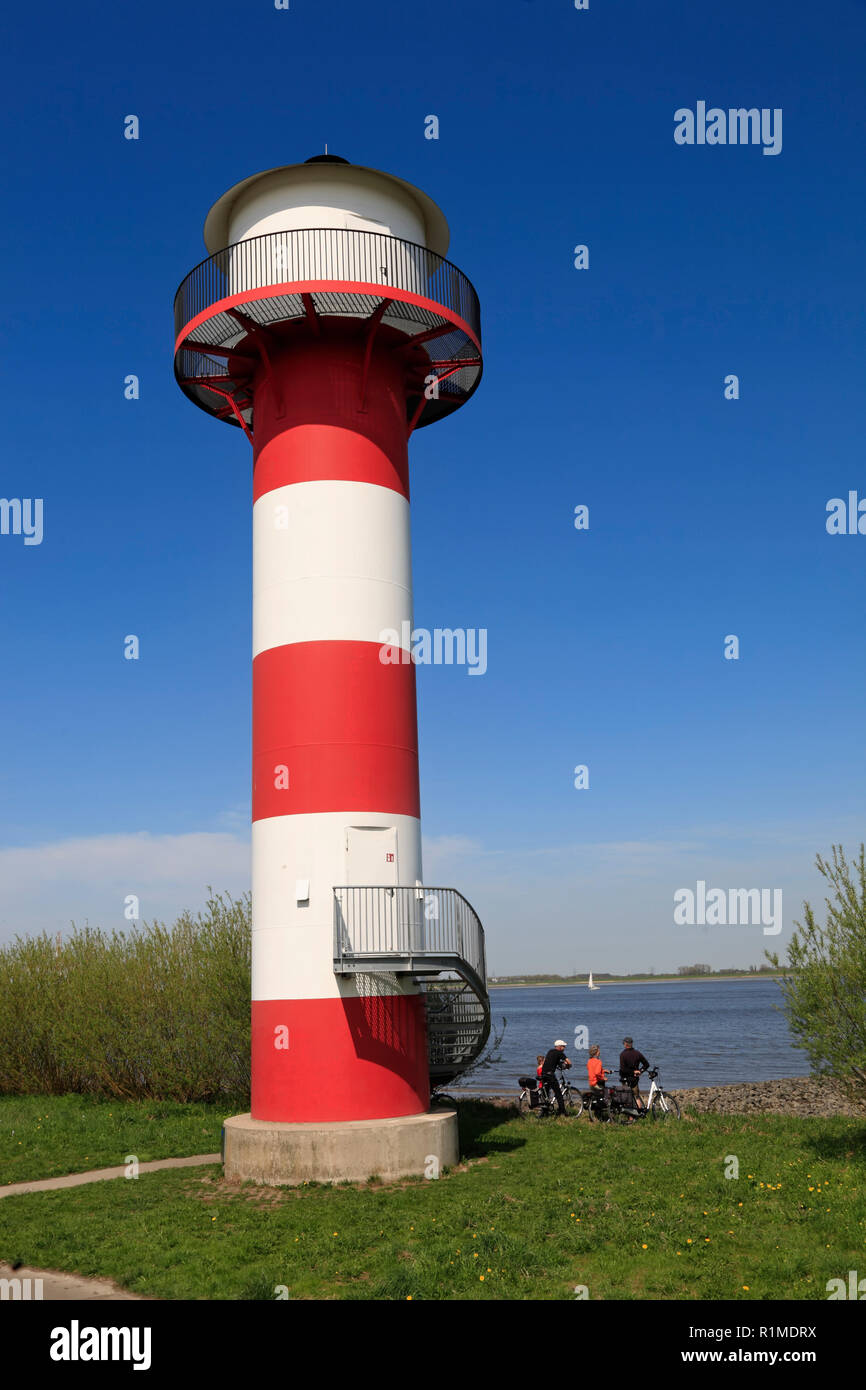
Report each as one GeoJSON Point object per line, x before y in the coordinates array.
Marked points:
{"type": "Point", "coordinates": [433, 934]}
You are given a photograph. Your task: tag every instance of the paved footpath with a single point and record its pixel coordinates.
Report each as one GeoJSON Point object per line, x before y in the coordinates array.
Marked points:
{"type": "Point", "coordinates": [71, 1288]}
{"type": "Point", "coordinates": [14, 1189]}
{"type": "Point", "coordinates": [75, 1288]}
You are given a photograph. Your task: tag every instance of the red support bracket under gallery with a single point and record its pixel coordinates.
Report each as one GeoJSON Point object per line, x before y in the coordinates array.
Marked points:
{"type": "Point", "coordinates": [372, 325]}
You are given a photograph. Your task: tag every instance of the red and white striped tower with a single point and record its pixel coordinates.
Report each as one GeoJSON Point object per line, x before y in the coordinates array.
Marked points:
{"type": "Point", "coordinates": [328, 326]}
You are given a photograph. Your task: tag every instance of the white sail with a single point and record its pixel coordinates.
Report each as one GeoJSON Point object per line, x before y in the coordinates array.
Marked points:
{"type": "Point", "coordinates": [591, 985]}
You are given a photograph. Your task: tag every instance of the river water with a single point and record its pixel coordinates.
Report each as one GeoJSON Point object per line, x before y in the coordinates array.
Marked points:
{"type": "Point", "coordinates": [710, 1033]}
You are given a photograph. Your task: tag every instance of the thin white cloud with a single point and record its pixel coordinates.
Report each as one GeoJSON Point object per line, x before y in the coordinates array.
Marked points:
{"type": "Point", "coordinates": [45, 887]}
{"type": "Point", "coordinates": [608, 906]}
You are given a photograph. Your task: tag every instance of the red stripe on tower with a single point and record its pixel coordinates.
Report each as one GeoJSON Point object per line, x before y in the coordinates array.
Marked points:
{"type": "Point", "coordinates": [334, 728]}
{"type": "Point", "coordinates": [318, 416]}
{"type": "Point", "coordinates": [348, 1059]}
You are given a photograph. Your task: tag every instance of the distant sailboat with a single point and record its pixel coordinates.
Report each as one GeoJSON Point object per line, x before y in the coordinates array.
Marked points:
{"type": "Point", "coordinates": [591, 985]}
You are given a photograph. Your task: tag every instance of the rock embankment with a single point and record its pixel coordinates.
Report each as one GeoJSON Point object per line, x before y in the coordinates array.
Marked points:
{"type": "Point", "coordinates": [800, 1095]}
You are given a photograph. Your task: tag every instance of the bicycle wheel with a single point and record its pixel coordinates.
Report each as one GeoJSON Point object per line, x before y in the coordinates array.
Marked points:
{"type": "Point", "coordinates": [619, 1117]}
{"type": "Point", "coordinates": [573, 1101]}
{"type": "Point", "coordinates": [665, 1107]}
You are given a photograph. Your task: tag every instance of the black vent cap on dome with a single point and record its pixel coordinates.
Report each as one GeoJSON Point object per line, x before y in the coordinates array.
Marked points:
{"type": "Point", "coordinates": [326, 159]}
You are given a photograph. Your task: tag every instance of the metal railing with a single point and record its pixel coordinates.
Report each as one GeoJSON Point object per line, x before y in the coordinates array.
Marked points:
{"type": "Point", "coordinates": [458, 1026]}
{"type": "Point", "coordinates": [428, 932]}
{"type": "Point", "coordinates": [417, 922]}
{"type": "Point", "coordinates": [326, 253]}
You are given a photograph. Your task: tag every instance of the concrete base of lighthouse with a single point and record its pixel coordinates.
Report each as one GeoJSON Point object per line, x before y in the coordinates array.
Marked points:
{"type": "Point", "coordinates": [284, 1154]}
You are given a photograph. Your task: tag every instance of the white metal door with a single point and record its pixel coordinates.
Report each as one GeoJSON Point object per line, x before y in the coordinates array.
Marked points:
{"type": "Point", "coordinates": [371, 854]}
{"type": "Point", "coordinates": [371, 859]}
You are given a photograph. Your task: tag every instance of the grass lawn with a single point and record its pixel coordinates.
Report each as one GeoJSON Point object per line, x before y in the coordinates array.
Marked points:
{"type": "Point", "coordinates": [537, 1208]}
{"type": "Point", "coordinates": [47, 1136]}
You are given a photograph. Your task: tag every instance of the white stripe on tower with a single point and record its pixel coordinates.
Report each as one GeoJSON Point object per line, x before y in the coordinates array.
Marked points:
{"type": "Point", "coordinates": [331, 563]}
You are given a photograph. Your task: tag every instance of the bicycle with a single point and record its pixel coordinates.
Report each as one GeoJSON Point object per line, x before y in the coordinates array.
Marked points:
{"type": "Point", "coordinates": [662, 1106]}
{"type": "Point", "coordinates": [597, 1106]}
{"type": "Point", "coordinates": [571, 1096]}
{"type": "Point", "coordinates": [546, 1102]}
{"type": "Point", "coordinates": [659, 1104]}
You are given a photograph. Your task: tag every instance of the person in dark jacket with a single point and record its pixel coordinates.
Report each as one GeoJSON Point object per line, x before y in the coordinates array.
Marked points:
{"type": "Point", "coordinates": [631, 1064]}
{"type": "Point", "coordinates": [554, 1061]}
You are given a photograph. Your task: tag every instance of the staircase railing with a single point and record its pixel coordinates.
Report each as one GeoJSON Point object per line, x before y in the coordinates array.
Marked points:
{"type": "Point", "coordinates": [410, 929]}
{"type": "Point", "coordinates": [426, 932]}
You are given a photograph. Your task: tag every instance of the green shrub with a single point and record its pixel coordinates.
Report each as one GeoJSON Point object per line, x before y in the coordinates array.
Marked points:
{"type": "Point", "coordinates": [157, 1012]}
{"type": "Point", "coordinates": [825, 990]}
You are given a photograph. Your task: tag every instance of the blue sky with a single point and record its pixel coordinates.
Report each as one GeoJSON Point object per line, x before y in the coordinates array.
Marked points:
{"type": "Point", "coordinates": [603, 387]}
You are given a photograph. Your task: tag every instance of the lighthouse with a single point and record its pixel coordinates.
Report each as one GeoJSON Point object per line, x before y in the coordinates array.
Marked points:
{"type": "Point", "coordinates": [327, 326]}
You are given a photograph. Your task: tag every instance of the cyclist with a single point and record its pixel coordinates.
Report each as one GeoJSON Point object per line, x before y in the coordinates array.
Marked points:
{"type": "Point", "coordinates": [632, 1064]}
{"type": "Point", "coordinates": [596, 1073]}
{"type": "Point", "coordinates": [554, 1061]}
{"type": "Point", "coordinates": [595, 1070]}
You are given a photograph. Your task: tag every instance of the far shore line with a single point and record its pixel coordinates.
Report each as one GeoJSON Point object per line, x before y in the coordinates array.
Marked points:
{"type": "Point", "coordinates": [642, 980]}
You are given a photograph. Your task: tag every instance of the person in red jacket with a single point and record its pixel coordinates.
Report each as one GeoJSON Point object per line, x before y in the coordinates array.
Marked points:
{"type": "Point", "coordinates": [594, 1069]}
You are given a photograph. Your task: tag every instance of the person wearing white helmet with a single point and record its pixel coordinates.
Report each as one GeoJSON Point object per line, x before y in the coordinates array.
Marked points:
{"type": "Point", "coordinates": [553, 1062]}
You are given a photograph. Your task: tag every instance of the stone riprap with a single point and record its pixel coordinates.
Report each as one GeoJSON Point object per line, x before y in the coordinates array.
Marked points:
{"type": "Point", "coordinates": [800, 1095]}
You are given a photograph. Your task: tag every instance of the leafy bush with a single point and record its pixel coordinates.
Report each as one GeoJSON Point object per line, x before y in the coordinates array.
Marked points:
{"type": "Point", "coordinates": [825, 993]}
{"type": "Point", "coordinates": [158, 1012]}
